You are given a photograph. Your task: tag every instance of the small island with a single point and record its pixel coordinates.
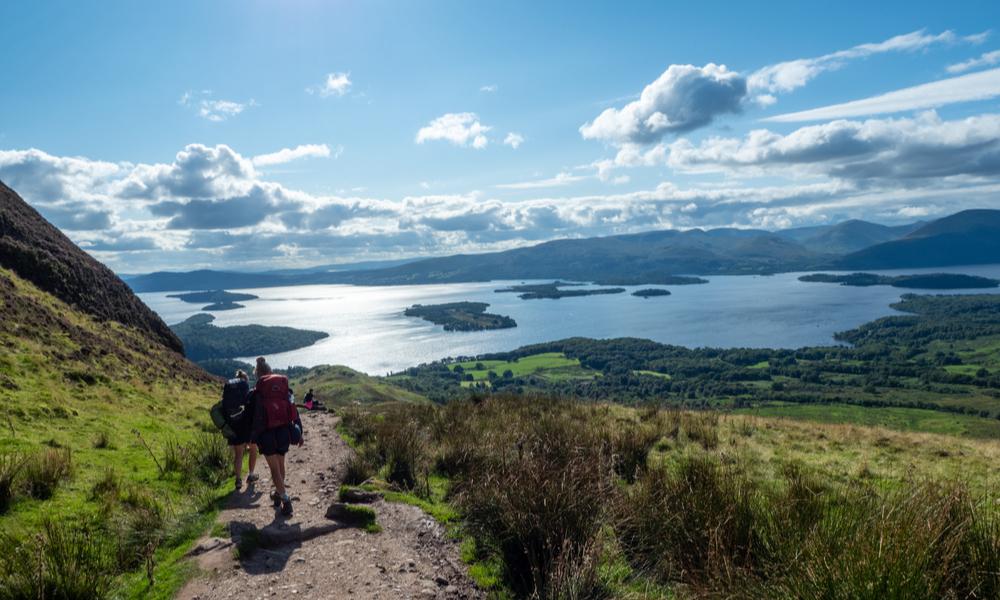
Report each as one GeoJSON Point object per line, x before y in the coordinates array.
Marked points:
{"type": "Point", "coordinates": [222, 306]}
{"type": "Point", "coordinates": [651, 293]}
{"type": "Point", "coordinates": [554, 291]}
{"type": "Point", "coordinates": [203, 340]}
{"type": "Point", "coordinates": [460, 316]}
{"type": "Point", "coordinates": [929, 281]}
{"type": "Point", "coordinates": [213, 296]}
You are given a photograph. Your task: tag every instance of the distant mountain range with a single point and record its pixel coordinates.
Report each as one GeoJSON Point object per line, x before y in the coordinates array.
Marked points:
{"type": "Point", "coordinates": [968, 237]}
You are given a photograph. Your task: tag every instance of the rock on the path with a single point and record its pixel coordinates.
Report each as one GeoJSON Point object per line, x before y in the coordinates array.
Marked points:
{"type": "Point", "coordinates": [358, 496]}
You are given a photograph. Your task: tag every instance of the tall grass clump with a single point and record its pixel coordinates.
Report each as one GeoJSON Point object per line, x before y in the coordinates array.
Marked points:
{"type": "Point", "coordinates": [45, 470]}
{"type": "Point", "coordinates": [536, 497]}
{"type": "Point", "coordinates": [10, 467]}
{"type": "Point", "coordinates": [401, 443]}
{"type": "Point", "coordinates": [59, 562]}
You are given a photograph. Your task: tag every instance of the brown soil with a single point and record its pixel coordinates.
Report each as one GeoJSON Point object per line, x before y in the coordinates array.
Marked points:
{"type": "Point", "coordinates": [310, 556]}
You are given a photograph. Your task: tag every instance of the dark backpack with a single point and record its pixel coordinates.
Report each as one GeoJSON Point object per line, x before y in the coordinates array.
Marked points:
{"type": "Point", "coordinates": [272, 394]}
{"type": "Point", "coordinates": [234, 400]}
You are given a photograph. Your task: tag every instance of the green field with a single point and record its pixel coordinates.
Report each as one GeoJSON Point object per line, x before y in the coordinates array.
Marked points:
{"type": "Point", "coordinates": [652, 374]}
{"type": "Point", "coordinates": [901, 419]}
{"type": "Point", "coordinates": [553, 366]}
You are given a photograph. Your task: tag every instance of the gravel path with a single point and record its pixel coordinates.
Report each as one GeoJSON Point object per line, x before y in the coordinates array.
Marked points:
{"type": "Point", "coordinates": [411, 558]}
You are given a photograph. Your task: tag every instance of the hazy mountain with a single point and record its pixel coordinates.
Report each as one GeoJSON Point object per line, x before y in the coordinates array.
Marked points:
{"type": "Point", "coordinates": [36, 250]}
{"type": "Point", "coordinates": [965, 238]}
{"type": "Point", "coordinates": [849, 236]}
{"type": "Point", "coordinates": [654, 256]}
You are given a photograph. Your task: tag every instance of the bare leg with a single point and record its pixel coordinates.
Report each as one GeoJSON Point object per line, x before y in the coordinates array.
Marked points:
{"type": "Point", "coordinates": [281, 465]}
{"type": "Point", "coordinates": [277, 476]}
{"type": "Point", "coordinates": [253, 457]}
{"type": "Point", "coordinates": [238, 461]}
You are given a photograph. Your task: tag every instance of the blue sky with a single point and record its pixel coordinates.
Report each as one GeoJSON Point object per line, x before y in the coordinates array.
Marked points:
{"type": "Point", "coordinates": [154, 134]}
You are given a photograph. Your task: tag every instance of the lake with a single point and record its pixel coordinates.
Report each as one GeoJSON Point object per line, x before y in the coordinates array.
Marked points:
{"type": "Point", "coordinates": [368, 331]}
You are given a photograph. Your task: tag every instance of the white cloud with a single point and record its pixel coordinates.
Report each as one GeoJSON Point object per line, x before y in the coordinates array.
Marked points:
{"type": "Point", "coordinates": [489, 89]}
{"type": "Point", "coordinates": [965, 88]}
{"type": "Point", "coordinates": [901, 151]}
{"type": "Point", "coordinates": [514, 140]}
{"type": "Point", "coordinates": [792, 74]}
{"type": "Point", "coordinates": [211, 109]}
{"type": "Point", "coordinates": [335, 84]}
{"type": "Point", "coordinates": [683, 98]}
{"type": "Point", "coordinates": [289, 154]}
{"type": "Point", "coordinates": [559, 180]}
{"type": "Point", "coordinates": [461, 129]}
{"type": "Point", "coordinates": [987, 59]}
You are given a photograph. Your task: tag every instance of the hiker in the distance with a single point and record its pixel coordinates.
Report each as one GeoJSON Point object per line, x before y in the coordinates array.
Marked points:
{"type": "Point", "coordinates": [276, 426]}
{"type": "Point", "coordinates": [307, 401]}
{"type": "Point", "coordinates": [238, 409]}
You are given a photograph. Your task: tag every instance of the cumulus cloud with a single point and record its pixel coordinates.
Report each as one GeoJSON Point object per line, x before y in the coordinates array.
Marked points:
{"type": "Point", "coordinates": [209, 206]}
{"type": "Point", "coordinates": [986, 59]}
{"type": "Point", "coordinates": [211, 109]}
{"type": "Point", "coordinates": [286, 155]}
{"type": "Point", "coordinates": [894, 150]}
{"type": "Point", "coordinates": [514, 140]}
{"type": "Point", "coordinates": [792, 74]}
{"type": "Point", "coordinates": [461, 129]}
{"type": "Point", "coordinates": [335, 84]}
{"type": "Point", "coordinates": [683, 98]}
{"type": "Point", "coordinates": [965, 88]}
{"type": "Point", "coordinates": [489, 89]}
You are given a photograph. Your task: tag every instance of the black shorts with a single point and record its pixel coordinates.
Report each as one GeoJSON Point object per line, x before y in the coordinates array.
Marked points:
{"type": "Point", "coordinates": [274, 441]}
{"type": "Point", "coordinates": [243, 436]}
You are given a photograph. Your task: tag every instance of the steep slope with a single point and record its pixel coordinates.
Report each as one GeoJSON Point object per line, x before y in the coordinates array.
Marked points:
{"type": "Point", "coordinates": [36, 250]}
{"type": "Point", "coordinates": [965, 238]}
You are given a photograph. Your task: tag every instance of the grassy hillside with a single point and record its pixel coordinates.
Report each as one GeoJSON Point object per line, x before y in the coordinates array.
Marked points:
{"type": "Point", "coordinates": [558, 499]}
{"type": "Point", "coordinates": [108, 427]}
{"type": "Point", "coordinates": [342, 386]}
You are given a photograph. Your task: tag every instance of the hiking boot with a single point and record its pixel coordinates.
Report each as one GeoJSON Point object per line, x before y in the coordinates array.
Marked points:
{"type": "Point", "coordinates": [286, 506]}
{"type": "Point", "coordinates": [239, 484]}
{"type": "Point", "coordinates": [252, 478]}
{"type": "Point", "coordinates": [276, 499]}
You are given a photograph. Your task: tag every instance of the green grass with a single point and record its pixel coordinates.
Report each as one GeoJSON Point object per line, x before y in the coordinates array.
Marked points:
{"type": "Point", "coordinates": [901, 419]}
{"type": "Point", "coordinates": [551, 365]}
{"type": "Point", "coordinates": [341, 386]}
{"type": "Point", "coordinates": [760, 365]}
{"type": "Point", "coordinates": [652, 374]}
{"type": "Point", "coordinates": [98, 390]}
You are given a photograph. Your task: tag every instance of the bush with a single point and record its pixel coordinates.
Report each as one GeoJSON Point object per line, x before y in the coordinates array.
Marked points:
{"type": "Point", "coordinates": [11, 464]}
{"type": "Point", "coordinates": [629, 445]}
{"type": "Point", "coordinates": [44, 471]}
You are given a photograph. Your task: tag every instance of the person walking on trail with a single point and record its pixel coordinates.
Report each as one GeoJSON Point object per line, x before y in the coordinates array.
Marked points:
{"type": "Point", "coordinates": [276, 427]}
{"type": "Point", "coordinates": [237, 406]}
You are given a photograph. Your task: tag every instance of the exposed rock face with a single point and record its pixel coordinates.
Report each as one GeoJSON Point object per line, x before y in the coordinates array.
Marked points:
{"type": "Point", "coordinates": [37, 251]}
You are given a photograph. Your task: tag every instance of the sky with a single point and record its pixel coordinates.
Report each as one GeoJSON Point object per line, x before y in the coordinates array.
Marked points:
{"type": "Point", "coordinates": [267, 134]}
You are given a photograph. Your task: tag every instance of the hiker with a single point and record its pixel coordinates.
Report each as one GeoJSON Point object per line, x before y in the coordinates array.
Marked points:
{"type": "Point", "coordinates": [238, 410]}
{"type": "Point", "coordinates": [276, 426]}
{"type": "Point", "coordinates": [308, 400]}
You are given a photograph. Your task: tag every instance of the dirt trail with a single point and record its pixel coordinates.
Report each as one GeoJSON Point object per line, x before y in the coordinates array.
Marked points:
{"type": "Point", "coordinates": [411, 558]}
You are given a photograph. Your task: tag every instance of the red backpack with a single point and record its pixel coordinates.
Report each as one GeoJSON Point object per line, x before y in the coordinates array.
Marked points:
{"type": "Point", "coordinates": [272, 393]}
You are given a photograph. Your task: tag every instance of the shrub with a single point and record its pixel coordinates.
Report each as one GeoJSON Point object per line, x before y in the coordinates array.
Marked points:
{"type": "Point", "coordinates": [629, 445]}
{"type": "Point", "coordinates": [102, 441]}
{"type": "Point", "coordinates": [11, 464]}
{"type": "Point", "coordinates": [43, 471]}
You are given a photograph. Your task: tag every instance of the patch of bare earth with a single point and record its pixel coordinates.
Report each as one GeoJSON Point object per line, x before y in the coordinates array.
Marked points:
{"type": "Point", "coordinates": [309, 556]}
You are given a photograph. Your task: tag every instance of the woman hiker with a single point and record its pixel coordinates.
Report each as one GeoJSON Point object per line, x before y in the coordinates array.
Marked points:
{"type": "Point", "coordinates": [276, 426]}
